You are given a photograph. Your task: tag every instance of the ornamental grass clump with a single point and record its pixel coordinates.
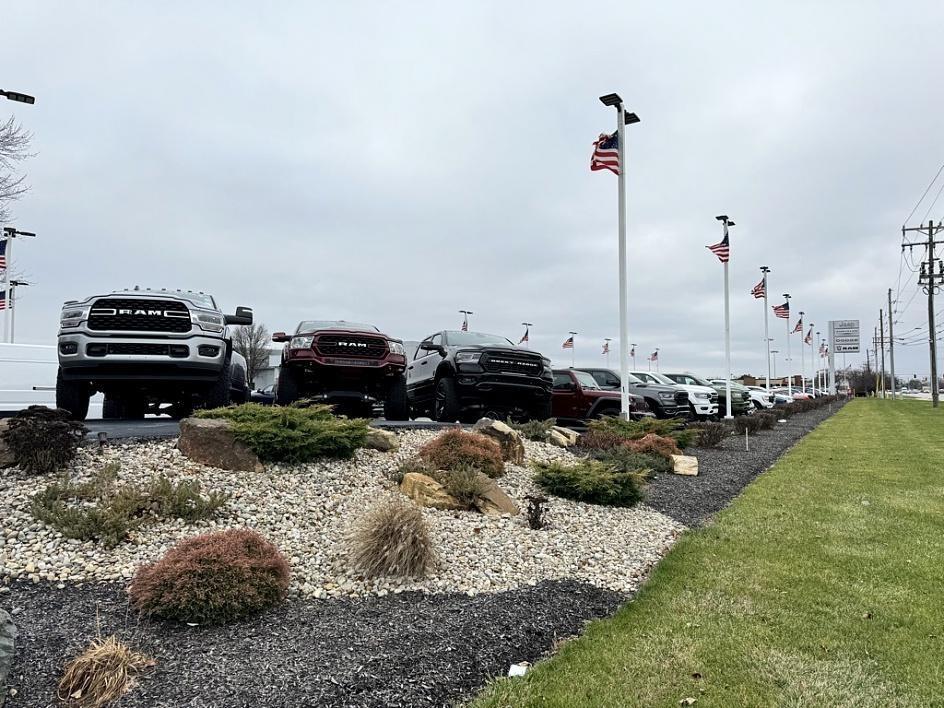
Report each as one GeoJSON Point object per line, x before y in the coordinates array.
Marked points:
{"type": "Point", "coordinates": [537, 430]}
{"type": "Point", "coordinates": [636, 429]}
{"type": "Point", "coordinates": [653, 444]}
{"type": "Point", "coordinates": [456, 448]}
{"type": "Point", "coordinates": [212, 578]}
{"type": "Point", "coordinates": [590, 481]}
{"type": "Point", "coordinates": [101, 674]}
{"type": "Point", "coordinates": [392, 540]}
{"type": "Point", "coordinates": [595, 439]}
{"type": "Point", "coordinates": [465, 484]}
{"type": "Point", "coordinates": [43, 439]}
{"type": "Point", "coordinates": [292, 434]}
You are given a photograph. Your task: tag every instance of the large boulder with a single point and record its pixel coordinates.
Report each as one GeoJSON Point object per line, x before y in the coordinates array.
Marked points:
{"type": "Point", "coordinates": [6, 457]}
{"type": "Point", "coordinates": [685, 465]}
{"type": "Point", "coordinates": [512, 449]}
{"type": "Point", "coordinates": [7, 640]}
{"type": "Point", "coordinates": [382, 440]}
{"type": "Point", "coordinates": [558, 439]}
{"type": "Point", "coordinates": [210, 441]}
{"type": "Point", "coordinates": [493, 501]}
{"type": "Point", "coordinates": [426, 491]}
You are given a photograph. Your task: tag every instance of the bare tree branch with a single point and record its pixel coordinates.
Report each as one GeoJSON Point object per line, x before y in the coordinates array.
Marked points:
{"type": "Point", "coordinates": [252, 341]}
{"type": "Point", "coordinates": [14, 147]}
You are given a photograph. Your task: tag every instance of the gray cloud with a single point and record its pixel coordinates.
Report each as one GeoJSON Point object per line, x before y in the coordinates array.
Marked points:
{"type": "Point", "coordinates": [395, 164]}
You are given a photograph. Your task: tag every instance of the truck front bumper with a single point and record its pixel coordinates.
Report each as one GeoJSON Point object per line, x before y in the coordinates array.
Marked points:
{"type": "Point", "coordinates": [703, 408]}
{"type": "Point", "coordinates": [88, 357]}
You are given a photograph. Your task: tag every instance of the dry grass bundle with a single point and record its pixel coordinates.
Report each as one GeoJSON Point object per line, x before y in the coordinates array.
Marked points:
{"type": "Point", "coordinates": [456, 448]}
{"type": "Point", "coordinates": [101, 674]}
{"type": "Point", "coordinates": [392, 539]}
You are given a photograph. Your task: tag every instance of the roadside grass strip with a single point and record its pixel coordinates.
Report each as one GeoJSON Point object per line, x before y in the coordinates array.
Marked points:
{"type": "Point", "coordinates": [821, 585]}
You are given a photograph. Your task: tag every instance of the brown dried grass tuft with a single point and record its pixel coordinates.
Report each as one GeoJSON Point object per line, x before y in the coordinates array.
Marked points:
{"type": "Point", "coordinates": [392, 539]}
{"type": "Point", "coordinates": [456, 448]}
{"type": "Point", "coordinates": [101, 674]}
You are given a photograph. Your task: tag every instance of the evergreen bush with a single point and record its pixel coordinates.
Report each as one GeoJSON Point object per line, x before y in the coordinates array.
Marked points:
{"type": "Point", "coordinates": [590, 481]}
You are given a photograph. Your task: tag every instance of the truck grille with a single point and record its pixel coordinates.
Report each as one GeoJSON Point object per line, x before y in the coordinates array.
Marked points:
{"type": "Point", "coordinates": [133, 315]}
{"type": "Point", "coordinates": [681, 398]}
{"type": "Point", "coordinates": [352, 345]}
{"type": "Point", "coordinates": [512, 362]}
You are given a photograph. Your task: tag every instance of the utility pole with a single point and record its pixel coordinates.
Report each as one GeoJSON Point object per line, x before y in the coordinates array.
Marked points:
{"type": "Point", "coordinates": [875, 354]}
{"type": "Point", "coordinates": [891, 343]}
{"type": "Point", "coordinates": [881, 342]}
{"type": "Point", "coordinates": [930, 280]}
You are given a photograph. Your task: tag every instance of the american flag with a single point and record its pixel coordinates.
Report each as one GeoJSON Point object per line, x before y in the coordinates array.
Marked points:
{"type": "Point", "coordinates": [3, 299]}
{"type": "Point", "coordinates": [783, 311]}
{"type": "Point", "coordinates": [465, 324]}
{"type": "Point", "coordinates": [568, 343]}
{"type": "Point", "coordinates": [632, 352]}
{"type": "Point", "coordinates": [760, 290]}
{"type": "Point", "coordinates": [524, 338]}
{"type": "Point", "coordinates": [654, 356]}
{"type": "Point", "coordinates": [606, 347]}
{"type": "Point", "coordinates": [822, 349]}
{"type": "Point", "coordinates": [3, 254]}
{"type": "Point", "coordinates": [721, 249]}
{"type": "Point", "coordinates": [606, 153]}
{"type": "Point", "coordinates": [799, 327]}
{"type": "Point", "coordinates": [808, 339]}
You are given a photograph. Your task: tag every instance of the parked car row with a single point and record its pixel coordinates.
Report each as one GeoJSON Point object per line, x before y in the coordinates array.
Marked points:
{"type": "Point", "coordinates": [162, 351]}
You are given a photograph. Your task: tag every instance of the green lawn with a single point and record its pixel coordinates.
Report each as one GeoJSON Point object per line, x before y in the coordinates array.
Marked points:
{"type": "Point", "coordinates": [821, 585]}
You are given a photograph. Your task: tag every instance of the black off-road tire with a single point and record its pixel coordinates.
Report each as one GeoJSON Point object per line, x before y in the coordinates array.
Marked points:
{"type": "Point", "coordinates": [286, 390]}
{"type": "Point", "coordinates": [656, 408]}
{"type": "Point", "coordinates": [396, 404]}
{"type": "Point", "coordinates": [542, 411]}
{"type": "Point", "coordinates": [73, 396]}
{"type": "Point", "coordinates": [446, 407]}
{"type": "Point", "coordinates": [220, 393]}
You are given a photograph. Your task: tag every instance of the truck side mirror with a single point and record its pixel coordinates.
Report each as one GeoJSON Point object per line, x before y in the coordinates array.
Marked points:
{"type": "Point", "coordinates": [280, 337]}
{"type": "Point", "coordinates": [243, 316]}
{"type": "Point", "coordinates": [430, 347]}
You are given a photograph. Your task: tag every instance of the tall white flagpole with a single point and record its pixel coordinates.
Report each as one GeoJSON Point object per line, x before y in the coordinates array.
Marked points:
{"type": "Point", "coordinates": [812, 363]}
{"type": "Point", "coordinates": [623, 294]}
{"type": "Point", "coordinates": [765, 270]}
{"type": "Point", "coordinates": [725, 221]}
{"type": "Point", "coordinates": [789, 360]}
{"type": "Point", "coordinates": [802, 359]}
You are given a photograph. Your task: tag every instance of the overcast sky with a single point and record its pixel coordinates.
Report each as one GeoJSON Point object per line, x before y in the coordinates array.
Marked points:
{"type": "Point", "coordinates": [397, 162]}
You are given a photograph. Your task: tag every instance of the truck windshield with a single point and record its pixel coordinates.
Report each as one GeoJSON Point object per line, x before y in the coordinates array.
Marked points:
{"type": "Point", "coordinates": [462, 339]}
{"type": "Point", "coordinates": [586, 380]}
{"type": "Point", "coordinates": [314, 325]}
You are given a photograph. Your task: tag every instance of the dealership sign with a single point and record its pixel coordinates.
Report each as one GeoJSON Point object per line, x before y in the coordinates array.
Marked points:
{"type": "Point", "coordinates": [844, 336]}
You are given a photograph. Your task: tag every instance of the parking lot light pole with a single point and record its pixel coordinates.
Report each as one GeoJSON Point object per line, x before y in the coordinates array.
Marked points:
{"type": "Point", "coordinates": [17, 96]}
{"type": "Point", "coordinates": [11, 233]}
{"type": "Point", "coordinates": [622, 120]}
{"type": "Point", "coordinates": [11, 294]}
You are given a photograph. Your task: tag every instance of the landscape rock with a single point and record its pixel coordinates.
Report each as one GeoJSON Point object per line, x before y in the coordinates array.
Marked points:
{"type": "Point", "coordinates": [382, 440]}
{"type": "Point", "coordinates": [685, 465]}
{"type": "Point", "coordinates": [6, 457]}
{"type": "Point", "coordinates": [426, 491]}
{"type": "Point", "coordinates": [210, 441]}
{"type": "Point", "coordinates": [512, 448]}
{"type": "Point", "coordinates": [558, 439]}
{"type": "Point", "coordinates": [571, 435]}
{"type": "Point", "coordinates": [7, 639]}
{"type": "Point", "coordinates": [493, 501]}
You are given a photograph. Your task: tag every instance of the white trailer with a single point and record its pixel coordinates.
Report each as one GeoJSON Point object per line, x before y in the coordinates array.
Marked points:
{"type": "Point", "coordinates": [28, 378]}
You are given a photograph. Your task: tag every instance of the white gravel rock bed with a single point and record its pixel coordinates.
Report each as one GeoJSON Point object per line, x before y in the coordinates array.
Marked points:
{"type": "Point", "coordinates": [307, 511]}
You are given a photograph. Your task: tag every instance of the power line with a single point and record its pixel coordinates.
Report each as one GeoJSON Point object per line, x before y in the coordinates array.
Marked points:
{"type": "Point", "coordinates": [930, 184]}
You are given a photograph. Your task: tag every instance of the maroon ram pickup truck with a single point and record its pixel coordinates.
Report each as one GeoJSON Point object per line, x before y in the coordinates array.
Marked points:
{"type": "Point", "coordinates": [577, 396]}
{"type": "Point", "coordinates": [350, 365]}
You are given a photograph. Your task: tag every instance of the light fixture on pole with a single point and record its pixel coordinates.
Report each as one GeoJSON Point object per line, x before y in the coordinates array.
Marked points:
{"type": "Point", "coordinates": [17, 96]}
{"type": "Point", "coordinates": [786, 297]}
{"type": "Point", "coordinates": [10, 233]}
{"type": "Point", "coordinates": [765, 270]}
{"type": "Point", "coordinates": [722, 250]}
{"type": "Point", "coordinates": [11, 292]}
{"type": "Point", "coordinates": [622, 120]}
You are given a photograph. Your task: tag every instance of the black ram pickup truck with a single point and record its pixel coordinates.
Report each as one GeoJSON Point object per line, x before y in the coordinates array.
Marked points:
{"type": "Point", "coordinates": [464, 376]}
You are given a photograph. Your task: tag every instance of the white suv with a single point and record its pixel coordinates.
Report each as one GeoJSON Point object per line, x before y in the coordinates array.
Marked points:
{"type": "Point", "coordinates": [702, 399]}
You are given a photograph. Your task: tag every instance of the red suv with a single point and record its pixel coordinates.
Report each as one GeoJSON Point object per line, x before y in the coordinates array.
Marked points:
{"type": "Point", "coordinates": [577, 396]}
{"type": "Point", "coordinates": [350, 365]}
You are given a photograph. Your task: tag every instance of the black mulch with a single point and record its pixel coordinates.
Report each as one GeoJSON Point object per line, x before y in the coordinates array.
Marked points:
{"type": "Point", "coordinates": [724, 471]}
{"type": "Point", "coordinates": [400, 650]}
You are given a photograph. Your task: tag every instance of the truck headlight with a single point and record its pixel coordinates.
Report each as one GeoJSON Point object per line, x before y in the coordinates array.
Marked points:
{"type": "Point", "coordinates": [207, 321]}
{"type": "Point", "coordinates": [468, 357]}
{"type": "Point", "coordinates": [396, 348]}
{"type": "Point", "coordinates": [666, 395]}
{"type": "Point", "coordinates": [70, 318]}
{"type": "Point", "coordinates": [301, 342]}
{"type": "Point", "coordinates": [701, 395]}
